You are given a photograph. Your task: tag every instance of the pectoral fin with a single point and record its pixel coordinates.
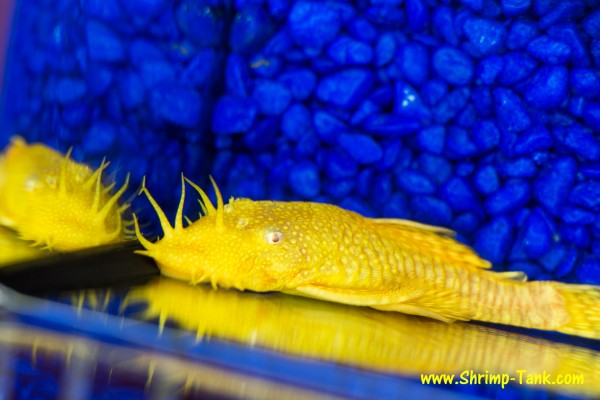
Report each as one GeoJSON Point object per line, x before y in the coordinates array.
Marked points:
{"type": "Point", "coordinates": [357, 297]}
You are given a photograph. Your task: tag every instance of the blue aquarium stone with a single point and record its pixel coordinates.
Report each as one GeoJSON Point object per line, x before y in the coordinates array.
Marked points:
{"type": "Point", "coordinates": [515, 194]}
{"type": "Point", "coordinates": [585, 82]}
{"type": "Point", "coordinates": [414, 182]}
{"type": "Point", "coordinates": [300, 82]}
{"type": "Point", "coordinates": [131, 90]}
{"type": "Point", "coordinates": [364, 109]}
{"type": "Point", "coordinates": [432, 139]}
{"type": "Point", "coordinates": [262, 134]}
{"type": "Point", "coordinates": [570, 34]}
{"type": "Point", "coordinates": [485, 135]}
{"type": "Point", "coordinates": [591, 115]}
{"type": "Point", "coordinates": [396, 206]}
{"type": "Point", "coordinates": [385, 49]}
{"type": "Point", "coordinates": [591, 23]}
{"type": "Point", "coordinates": [516, 67]}
{"type": "Point", "coordinates": [236, 76]}
{"type": "Point", "coordinates": [347, 51]}
{"type": "Point", "coordinates": [391, 154]}
{"type": "Point", "coordinates": [338, 165]}
{"type": "Point", "coordinates": [590, 170]}
{"type": "Point", "coordinates": [565, 10]}
{"type": "Point", "coordinates": [513, 7]}
{"type": "Point", "coordinates": [537, 236]}
{"type": "Point", "coordinates": [451, 105]}
{"type": "Point", "coordinates": [549, 50]}
{"type": "Point", "coordinates": [69, 90]}
{"type": "Point", "coordinates": [345, 88]}
{"type": "Point", "coordinates": [361, 148]}
{"type": "Point", "coordinates": [108, 10]}
{"type": "Point", "coordinates": [363, 30]}
{"type": "Point", "coordinates": [201, 21]}
{"type": "Point", "coordinates": [251, 28]}
{"type": "Point", "coordinates": [304, 179]}
{"type": "Point", "coordinates": [430, 210]}
{"type": "Point", "coordinates": [577, 235]}
{"type": "Point", "coordinates": [459, 143]}
{"type": "Point", "coordinates": [100, 138]}
{"type": "Point", "coordinates": [278, 44]}
{"type": "Point", "coordinates": [390, 125]}
{"type": "Point", "coordinates": [272, 97]}
{"type": "Point", "coordinates": [234, 114]}
{"type": "Point", "coordinates": [465, 223]}
{"type": "Point", "coordinates": [588, 272]}
{"type": "Point", "coordinates": [75, 115]}
{"type": "Point", "coordinates": [338, 189]}
{"type": "Point", "coordinates": [453, 65]}
{"type": "Point", "coordinates": [414, 62]}
{"type": "Point", "coordinates": [358, 206]}
{"type": "Point", "coordinates": [494, 240]}
{"type": "Point", "coordinates": [417, 14]}
{"type": "Point", "coordinates": [517, 168]}
{"type": "Point", "coordinates": [436, 168]}
{"type": "Point", "coordinates": [143, 11]}
{"type": "Point", "coordinates": [102, 43]}
{"type": "Point", "coordinates": [488, 68]}
{"type": "Point", "coordinates": [521, 32]}
{"type": "Point", "coordinates": [433, 91]}
{"type": "Point", "coordinates": [157, 71]}
{"type": "Point", "coordinates": [535, 138]}
{"type": "Point", "coordinates": [178, 104]}
{"type": "Point", "coordinates": [512, 113]}
{"type": "Point", "coordinates": [443, 20]}
{"type": "Point", "coordinates": [296, 121]}
{"type": "Point", "coordinates": [579, 139]}
{"type": "Point", "coordinates": [459, 195]}
{"type": "Point", "coordinates": [328, 127]}
{"type": "Point", "coordinates": [587, 195]}
{"type": "Point", "coordinates": [485, 36]}
{"type": "Point", "coordinates": [548, 87]}
{"type": "Point", "coordinates": [313, 24]}
{"type": "Point", "coordinates": [552, 186]}
{"type": "Point", "coordinates": [408, 103]}
{"type": "Point", "coordinates": [486, 180]}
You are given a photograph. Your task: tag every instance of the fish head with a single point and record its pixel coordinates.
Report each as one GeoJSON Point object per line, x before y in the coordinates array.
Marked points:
{"type": "Point", "coordinates": [239, 245]}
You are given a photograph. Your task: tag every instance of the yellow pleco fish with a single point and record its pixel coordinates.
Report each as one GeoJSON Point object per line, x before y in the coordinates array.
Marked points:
{"type": "Point", "coordinates": [325, 252]}
{"type": "Point", "coordinates": [57, 202]}
{"type": "Point", "coordinates": [13, 249]}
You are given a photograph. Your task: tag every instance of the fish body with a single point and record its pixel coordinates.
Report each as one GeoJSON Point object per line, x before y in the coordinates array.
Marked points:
{"type": "Point", "coordinates": [325, 252]}
{"type": "Point", "coordinates": [56, 202]}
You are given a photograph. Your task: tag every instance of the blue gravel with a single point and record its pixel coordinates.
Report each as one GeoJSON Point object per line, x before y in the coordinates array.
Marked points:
{"type": "Point", "coordinates": [478, 115]}
{"type": "Point", "coordinates": [453, 65]}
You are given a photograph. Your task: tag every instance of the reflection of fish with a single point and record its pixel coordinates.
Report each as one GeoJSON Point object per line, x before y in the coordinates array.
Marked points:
{"type": "Point", "coordinates": [52, 200]}
{"type": "Point", "coordinates": [370, 339]}
{"type": "Point", "coordinates": [325, 252]}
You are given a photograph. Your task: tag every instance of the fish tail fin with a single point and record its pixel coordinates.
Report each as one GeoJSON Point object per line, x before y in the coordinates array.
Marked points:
{"type": "Point", "coordinates": [582, 303]}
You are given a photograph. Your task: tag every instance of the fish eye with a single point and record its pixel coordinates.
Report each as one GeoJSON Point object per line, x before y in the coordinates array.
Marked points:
{"type": "Point", "coordinates": [274, 237]}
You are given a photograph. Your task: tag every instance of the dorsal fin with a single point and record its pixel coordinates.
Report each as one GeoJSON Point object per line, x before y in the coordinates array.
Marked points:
{"type": "Point", "coordinates": [518, 276]}
{"type": "Point", "coordinates": [405, 223]}
{"type": "Point", "coordinates": [429, 240]}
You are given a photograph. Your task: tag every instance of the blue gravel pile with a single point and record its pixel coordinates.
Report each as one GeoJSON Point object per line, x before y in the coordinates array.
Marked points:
{"type": "Point", "coordinates": [131, 80]}
{"type": "Point", "coordinates": [479, 115]}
